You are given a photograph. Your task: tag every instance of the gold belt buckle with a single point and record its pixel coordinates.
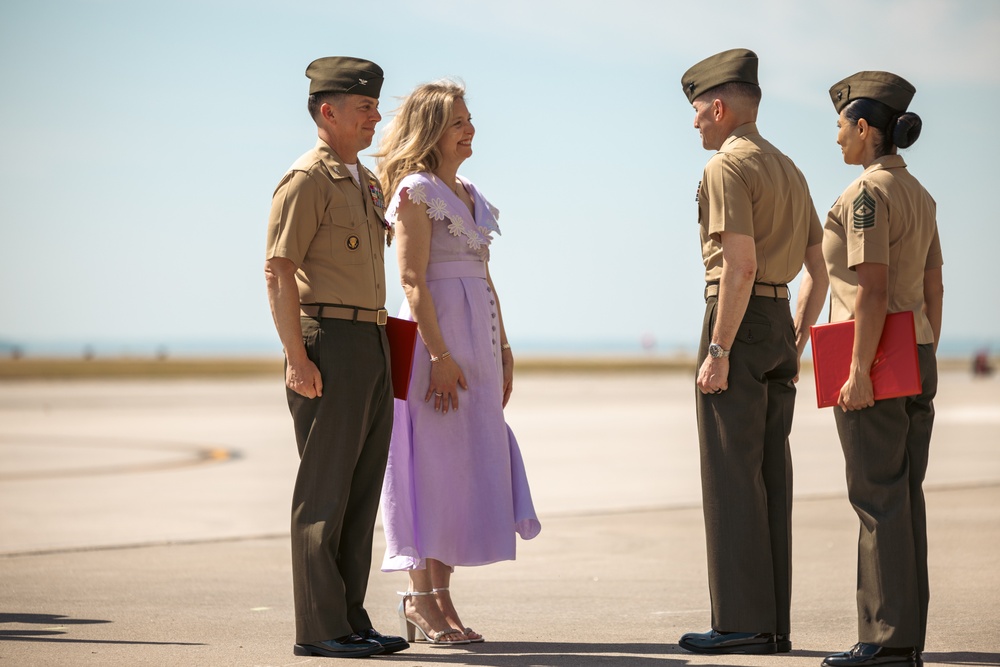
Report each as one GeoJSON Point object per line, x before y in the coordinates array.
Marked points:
{"type": "Point", "coordinates": [381, 317]}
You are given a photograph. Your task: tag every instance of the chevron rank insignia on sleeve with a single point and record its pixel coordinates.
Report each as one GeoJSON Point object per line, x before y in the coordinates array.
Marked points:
{"type": "Point", "coordinates": [864, 210]}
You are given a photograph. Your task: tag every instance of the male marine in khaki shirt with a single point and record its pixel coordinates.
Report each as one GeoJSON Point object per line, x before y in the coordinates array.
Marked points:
{"type": "Point", "coordinates": [326, 284]}
{"type": "Point", "coordinates": [758, 225]}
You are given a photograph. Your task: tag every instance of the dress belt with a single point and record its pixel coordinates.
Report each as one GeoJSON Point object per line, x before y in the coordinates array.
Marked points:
{"type": "Point", "coordinates": [463, 269]}
{"type": "Point", "coordinates": [344, 312]}
{"type": "Point", "coordinates": [759, 289]}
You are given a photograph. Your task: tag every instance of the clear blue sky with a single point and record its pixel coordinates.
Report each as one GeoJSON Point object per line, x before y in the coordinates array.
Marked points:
{"type": "Point", "coordinates": [140, 143]}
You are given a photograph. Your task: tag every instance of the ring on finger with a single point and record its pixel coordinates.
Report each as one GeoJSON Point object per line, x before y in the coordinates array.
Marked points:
{"type": "Point", "coordinates": [438, 393]}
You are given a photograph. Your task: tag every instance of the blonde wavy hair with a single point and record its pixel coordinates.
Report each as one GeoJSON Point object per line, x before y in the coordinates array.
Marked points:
{"type": "Point", "coordinates": [409, 143]}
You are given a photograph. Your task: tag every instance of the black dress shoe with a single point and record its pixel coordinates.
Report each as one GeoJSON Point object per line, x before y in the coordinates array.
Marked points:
{"type": "Point", "coordinates": [862, 654]}
{"type": "Point", "coordinates": [389, 643]}
{"type": "Point", "coordinates": [351, 646]}
{"type": "Point", "coordinates": [783, 643]}
{"type": "Point", "coordinates": [745, 643]}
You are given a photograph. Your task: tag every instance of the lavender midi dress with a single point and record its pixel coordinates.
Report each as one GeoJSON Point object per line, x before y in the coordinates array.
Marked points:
{"type": "Point", "coordinates": [455, 486]}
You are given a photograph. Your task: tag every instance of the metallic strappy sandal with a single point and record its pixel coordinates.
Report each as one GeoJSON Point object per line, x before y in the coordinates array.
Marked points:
{"type": "Point", "coordinates": [409, 629]}
{"type": "Point", "coordinates": [435, 591]}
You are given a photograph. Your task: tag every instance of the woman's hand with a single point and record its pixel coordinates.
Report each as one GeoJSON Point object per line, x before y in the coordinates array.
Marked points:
{"type": "Point", "coordinates": [508, 374]}
{"type": "Point", "coordinates": [857, 393]}
{"type": "Point", "coordinates": [870, 308]}
{"type": "Point", "coordinates": [446, 378]}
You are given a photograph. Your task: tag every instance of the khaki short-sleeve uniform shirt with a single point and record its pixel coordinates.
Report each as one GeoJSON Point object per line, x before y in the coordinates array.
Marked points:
{"type": "Point", "coordinates": [749, 187]}
{"type": "Point", "coordinates": [885, 217]}
{"type": "Point", "coordinates": [332, 229]}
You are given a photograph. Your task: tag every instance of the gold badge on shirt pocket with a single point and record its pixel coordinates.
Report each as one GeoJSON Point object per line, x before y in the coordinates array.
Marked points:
{"type": "Point", "coordinates": [353, 242]}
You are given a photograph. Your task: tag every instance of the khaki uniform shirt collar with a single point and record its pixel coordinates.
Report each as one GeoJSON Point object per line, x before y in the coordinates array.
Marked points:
{"type": "Point", "coordinates": [741, 131]}
{"type": "Point", "coordinates": [338, 170]}
{"type": "Point", "coordinates": [886, 162]}
{"type": "Point", "coordinates": [333, 162]}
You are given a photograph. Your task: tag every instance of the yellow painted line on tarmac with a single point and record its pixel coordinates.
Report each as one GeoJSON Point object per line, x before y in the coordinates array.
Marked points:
{"type": "Point", "coordinates": [186, 456]}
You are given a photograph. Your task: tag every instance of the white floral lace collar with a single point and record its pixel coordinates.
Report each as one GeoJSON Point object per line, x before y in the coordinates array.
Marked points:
{"type": "Point", "coordinates": [477, 236]}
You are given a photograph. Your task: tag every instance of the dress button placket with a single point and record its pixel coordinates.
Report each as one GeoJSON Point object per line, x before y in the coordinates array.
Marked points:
{"type": "Point", "coordinates": [493, 315]}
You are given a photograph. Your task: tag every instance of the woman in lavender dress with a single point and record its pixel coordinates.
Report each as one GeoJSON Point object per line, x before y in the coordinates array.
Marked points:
{"type": "Point", "coordinates": [455, 488]}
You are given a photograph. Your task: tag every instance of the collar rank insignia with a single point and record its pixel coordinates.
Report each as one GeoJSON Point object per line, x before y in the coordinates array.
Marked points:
{"type": "Point", "coordinates": [864, 211]}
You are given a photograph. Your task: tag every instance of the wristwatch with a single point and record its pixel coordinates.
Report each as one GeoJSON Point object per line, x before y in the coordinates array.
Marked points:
{"type": "Point", "coordinates": [716, 352]}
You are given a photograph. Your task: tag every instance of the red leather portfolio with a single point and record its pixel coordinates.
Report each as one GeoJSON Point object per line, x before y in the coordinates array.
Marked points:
{"type": "Point", "coordinates": [895, 369]}
{"type": "Point", "coordinates": [402, 335]}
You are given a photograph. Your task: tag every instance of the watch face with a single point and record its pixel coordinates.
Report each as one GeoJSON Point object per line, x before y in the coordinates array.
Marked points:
{"type": "Point", "coordinates": [715, 350]}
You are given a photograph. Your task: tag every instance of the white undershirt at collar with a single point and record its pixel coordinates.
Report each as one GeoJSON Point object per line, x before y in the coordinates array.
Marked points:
{"type": "Point", "coordinates": [353, 168]}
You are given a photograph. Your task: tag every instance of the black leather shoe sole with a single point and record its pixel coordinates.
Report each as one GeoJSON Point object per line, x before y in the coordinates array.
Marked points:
{"type": "Point", "coordinates": [389, 643]}
{"type": "Point", "coordinates": [871, 655]}
{"type": "Point", "coordinates": [393, 647]}
{"type": "Point", "coordinates": [760, 648]}
{"type": "Point", "coordinates": [893, 661]}
{"type": "Point", "coordinates": [351, 652]}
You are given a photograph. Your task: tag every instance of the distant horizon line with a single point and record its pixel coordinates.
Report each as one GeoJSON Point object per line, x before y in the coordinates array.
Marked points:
{"type": "Point", "coordinates": [965, 346]}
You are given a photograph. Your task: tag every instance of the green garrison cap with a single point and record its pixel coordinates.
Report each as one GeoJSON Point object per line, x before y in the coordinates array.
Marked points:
{"type": "Point", "coordinates": [733, 65]}
{"type": "Point", "coordinates": [893, 91]}
{"type": "Point", "coordinates": [343, 74]}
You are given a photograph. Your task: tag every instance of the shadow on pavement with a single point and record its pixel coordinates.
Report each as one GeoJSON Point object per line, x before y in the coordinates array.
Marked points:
{"type": "Point", "coordinates": [51, 634]}
{"type": "Point", "coordinates": [556, 654]}
{"type": "Point", "coordinates": [963, 658]}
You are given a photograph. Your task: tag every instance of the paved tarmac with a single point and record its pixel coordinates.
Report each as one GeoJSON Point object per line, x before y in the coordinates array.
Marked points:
{"type": "Point", "coordinates": [145, 522]}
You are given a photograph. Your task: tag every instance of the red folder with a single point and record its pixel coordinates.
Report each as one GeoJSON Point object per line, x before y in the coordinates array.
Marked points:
{"type": "Point", "coordinates": [402, 335]}
{"type": "Point", "coordinates": [895, 369]}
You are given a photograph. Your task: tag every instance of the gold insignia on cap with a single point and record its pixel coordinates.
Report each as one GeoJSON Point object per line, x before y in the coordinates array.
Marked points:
{"type": "Point", "coordinates": [353, 242]}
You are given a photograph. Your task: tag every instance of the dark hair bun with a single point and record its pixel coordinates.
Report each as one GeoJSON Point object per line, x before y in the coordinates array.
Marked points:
{"type": "Point", "coordinates": [906, 130]}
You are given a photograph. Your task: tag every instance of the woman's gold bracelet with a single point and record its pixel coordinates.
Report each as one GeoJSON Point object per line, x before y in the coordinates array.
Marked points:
{"type": "Point", "coordinates": [443, 355]}
{"type": "Point", "coordinates": [504, 346]}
